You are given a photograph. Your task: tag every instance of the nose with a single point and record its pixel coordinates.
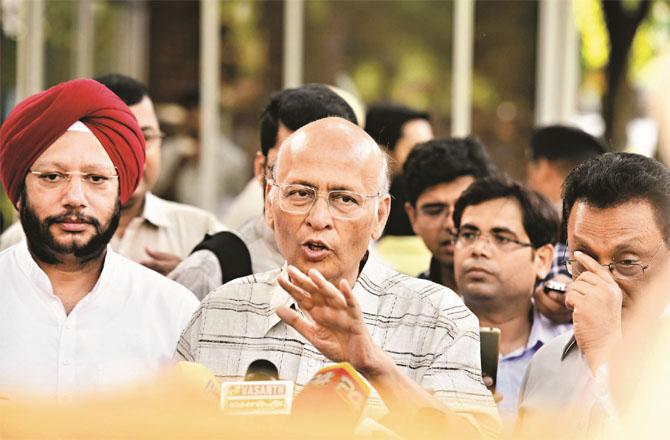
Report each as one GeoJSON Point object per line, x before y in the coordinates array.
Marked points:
{"type": "Point", "coordinates": [482, 246]}
{"type": "Point", "coordinates": [448, 221]}
{"type": "Point", "coordinates": [319, 216]}
{"type": "Point", "coordinates": [74, 193]}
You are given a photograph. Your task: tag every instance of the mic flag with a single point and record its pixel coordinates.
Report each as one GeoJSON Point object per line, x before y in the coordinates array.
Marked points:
{"type": "Point", "coordinates": [335, 397]}
{"type": "Point", "coordinates": [260, 394]}
{"type": "Point", "coordinates": [261, 397]}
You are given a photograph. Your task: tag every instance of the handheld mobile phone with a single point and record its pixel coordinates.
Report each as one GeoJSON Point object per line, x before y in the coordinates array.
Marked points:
{"type": "Point", "coordinates": [555, 286]}
{"type": "Point", "coordinates": [489, 346]}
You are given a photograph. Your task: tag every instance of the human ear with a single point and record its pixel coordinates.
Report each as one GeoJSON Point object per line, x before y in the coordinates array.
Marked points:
{"type": "Point", "coordinates": [269, 215]}
{"type": "Point", "coordinates": [411, 214]}
{"type": "Point", "coordinates": [381, 216]}
{"type": "Point", "coordinates": [542, 260]}
{"type": "Point", "coordinates": [259, 166]}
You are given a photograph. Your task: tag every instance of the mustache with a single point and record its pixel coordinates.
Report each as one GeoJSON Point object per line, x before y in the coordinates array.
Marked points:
{"type": "Point", "coordinates": [70, 216]}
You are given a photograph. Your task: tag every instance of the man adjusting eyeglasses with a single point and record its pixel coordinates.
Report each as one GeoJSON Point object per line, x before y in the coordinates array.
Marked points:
{"type": "Point", "coordinates": [616, 218]}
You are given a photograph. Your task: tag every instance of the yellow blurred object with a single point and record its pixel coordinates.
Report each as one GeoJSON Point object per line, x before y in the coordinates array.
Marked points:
{"type": "Point", "coordinates": [406, 254]}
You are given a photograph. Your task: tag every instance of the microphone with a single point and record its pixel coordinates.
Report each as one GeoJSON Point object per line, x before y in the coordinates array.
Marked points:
{"type": "Point", "coordinates": [261, 369]}
{"type": "Point", "coordinates": [261, 393]}
{"type": "Point", "coordinates": [334, 398]}
{"type": "Point", "coordinates": [198, 377]}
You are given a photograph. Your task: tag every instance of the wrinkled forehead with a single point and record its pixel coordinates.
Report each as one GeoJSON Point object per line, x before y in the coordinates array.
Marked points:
{"type": "Point", "coordinates": [75, 149]}
{"type": "Point", "coordinates": [631, 225]}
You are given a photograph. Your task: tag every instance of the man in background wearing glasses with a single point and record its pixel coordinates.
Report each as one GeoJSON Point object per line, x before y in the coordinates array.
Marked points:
{"type": "Point", "coordinates": [504, 245]}
{"type": "Point", "coordinates": [75, 315]}
{"type": "Point", "coordinates": [616, 218]}
{"type": "Point", "coordinates": [153, 232]}
{"type": "Point", "coordinates": [333, 302]}
{"type": "Point", "coordinates": [435, 174]}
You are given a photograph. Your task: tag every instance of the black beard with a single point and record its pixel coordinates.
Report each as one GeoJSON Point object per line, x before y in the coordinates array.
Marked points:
{"type": "Point", "coordinates": [43, 245]}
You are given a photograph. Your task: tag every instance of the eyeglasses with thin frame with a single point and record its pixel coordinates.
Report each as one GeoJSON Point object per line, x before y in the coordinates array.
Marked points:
{"type": "Point", "coordinates": [52, 179]}
{"type": "Point", "coordinates": [626, 269]}
{"type": "Point", "coordinates": [342, 204]}
{"type": "Point", "coordinates": [500, 239]}
{"type": "Point", "coordinates": [433, 212]}
{"type": "Point", "coordinates": [152, 136]}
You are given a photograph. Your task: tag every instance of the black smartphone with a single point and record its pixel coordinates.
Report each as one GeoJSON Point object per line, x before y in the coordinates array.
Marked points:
{"type": "Point", "coordinates": [555, 286]}
{"type": "Point", "coordinates": [489, 346]}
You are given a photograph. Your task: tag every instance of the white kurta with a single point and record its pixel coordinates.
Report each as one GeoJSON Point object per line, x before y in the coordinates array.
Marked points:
{"type": "Point", "coordinates": [123, 330]}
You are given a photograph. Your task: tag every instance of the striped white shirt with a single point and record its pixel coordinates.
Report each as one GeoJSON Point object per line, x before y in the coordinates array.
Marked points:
{"type": "Point", "coordinates": [425, 327]}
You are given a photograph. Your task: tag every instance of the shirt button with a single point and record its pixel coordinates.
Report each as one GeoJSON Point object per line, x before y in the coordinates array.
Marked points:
{"type": "Point", "coordinates": [68, 327]}
{"type": "Point", "coordinates": [67, 362]}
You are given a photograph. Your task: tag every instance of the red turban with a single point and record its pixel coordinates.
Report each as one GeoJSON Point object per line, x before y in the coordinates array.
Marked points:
{"type": "Point", "coordinates": [39, 120]}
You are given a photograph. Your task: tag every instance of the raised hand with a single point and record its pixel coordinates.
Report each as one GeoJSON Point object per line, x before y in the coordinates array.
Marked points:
{"type": "Point", "coordinates": [552, 304]}
{"type": "Point", "coordinates": [333, 322]}
{"type": "Point", "coordinates": [595, 299]}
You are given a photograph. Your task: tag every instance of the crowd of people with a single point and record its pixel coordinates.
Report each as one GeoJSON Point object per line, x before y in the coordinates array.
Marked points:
{"type": "Point", "coordinates": [104, 283]}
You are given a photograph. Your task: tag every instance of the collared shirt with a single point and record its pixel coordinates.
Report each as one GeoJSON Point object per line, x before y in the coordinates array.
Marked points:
{"type": "Point", "coordinates": [560, 391]}
{"type": "Point", "coordinates": [125, 328]}
{"type": "Point", "coordinates": [558, 262]}
{"type": "Point", "coordinates": [201, 273]}
{"type": "Point", "coordinates": [512, 367]}
{"type": "Point", "coordinates": [164, 226]}
{"type": "Point", "coordinates": [427, 330]}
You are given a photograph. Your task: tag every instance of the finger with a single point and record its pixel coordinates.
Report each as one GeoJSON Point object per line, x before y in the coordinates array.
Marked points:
{"type": "Point", "coordinates": [557, 298]}
{"type": "Point", "coordinates": [592, 265]}
{"type": "Point", "coordinates": [590, 278]}
{"type": "Point", "coordinates": [348, 294]}
{"type": "Point", "coordinates": [169, 266]}
{"type": "Point", "coordinates": [488, 382]}
{"type": "Point", "coordinates": [303, 282]}
{"type": "Point", "coordinates": [573, 299]}
{"type": "Point", "coordinates": [327, 289]}
{"type": "Point", "coordinates": [295, 320]}
{"type": "Point", "coordinates": [151, 264]}
{"type": "Point", "coordinates": [582, 287]}
{"type": "Point", "coordinates": [303, 298]}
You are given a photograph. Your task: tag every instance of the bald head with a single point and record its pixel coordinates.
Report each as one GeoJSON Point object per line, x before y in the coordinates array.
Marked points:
{"type": "Point", "coordinates": [336, 142]}
{"type": "Point", "coordinates": [329, 198]}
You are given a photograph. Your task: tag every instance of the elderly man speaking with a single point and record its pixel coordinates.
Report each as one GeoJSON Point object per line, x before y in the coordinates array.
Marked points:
{"type": "Point", "coordinates": [333, 301]}
{"type": "Point", "coordinates": [76, 316]}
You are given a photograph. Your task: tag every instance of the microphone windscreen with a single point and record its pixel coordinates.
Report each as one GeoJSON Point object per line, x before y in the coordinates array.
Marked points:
{"type": "Point", "coordinates": [199, 377]}
{"type": "Point", "coordinates": [261, 369]}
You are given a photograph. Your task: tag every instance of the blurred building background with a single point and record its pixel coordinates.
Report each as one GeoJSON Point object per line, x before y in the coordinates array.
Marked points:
{"type": "Point", "coordinates": [490, 68]}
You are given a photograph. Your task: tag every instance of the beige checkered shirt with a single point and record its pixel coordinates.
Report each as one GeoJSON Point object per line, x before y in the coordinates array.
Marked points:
{"type": "Point", "coordinates": [427, 330]}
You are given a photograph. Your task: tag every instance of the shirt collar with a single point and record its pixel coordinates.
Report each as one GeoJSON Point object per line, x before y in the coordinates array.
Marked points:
{"type": "Point", "coordinates": [154, 212]}
{"type": "Point", "coordinates": [542, 330]}
{"type": "Point", "coordinates": [42, 283]}
{"type": "Point", "coordinates": [372, 273]}
{"type": "Point", "coordinates": [572, 343]}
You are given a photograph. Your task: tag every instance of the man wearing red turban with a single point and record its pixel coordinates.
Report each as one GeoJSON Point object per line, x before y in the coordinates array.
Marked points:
{"type": "Point", "coordinates": [77, 316]}
{"type": "Point", "coordinates": [42, 118]}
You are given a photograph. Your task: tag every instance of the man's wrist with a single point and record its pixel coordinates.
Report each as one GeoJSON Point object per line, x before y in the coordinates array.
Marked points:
{"type": "Point", "coordinates": [378, 366]}
{"type": "Point", "coordinates": [596, 358]}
